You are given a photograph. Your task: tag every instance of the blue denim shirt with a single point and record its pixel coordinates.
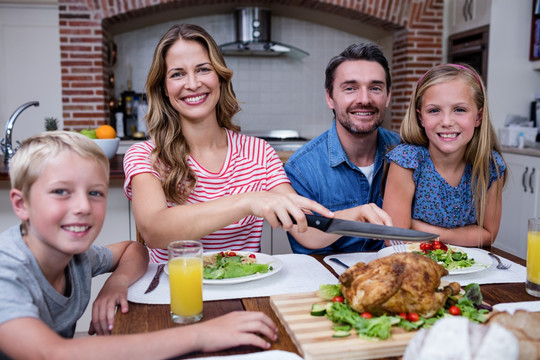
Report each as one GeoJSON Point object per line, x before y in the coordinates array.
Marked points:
{"type": "Point", "coordinates": [320, 170]}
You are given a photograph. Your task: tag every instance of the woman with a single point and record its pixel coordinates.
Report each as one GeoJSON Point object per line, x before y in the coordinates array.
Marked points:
{"type": "Point", "coordinates": [198, 177]}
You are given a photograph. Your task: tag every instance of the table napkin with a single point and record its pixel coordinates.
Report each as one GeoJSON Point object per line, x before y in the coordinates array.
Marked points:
{"type": "Point", "coordinates": [300, 273]}
{"type": "Point", "coordinates": [492, 275]}
{"type": "Point", "coordinates": [532, 306]}
{"type": "Point", "coordinates": [263, 355]}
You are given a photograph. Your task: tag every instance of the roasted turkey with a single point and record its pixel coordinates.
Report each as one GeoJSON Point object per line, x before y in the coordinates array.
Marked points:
{"type": "Point", "coordinates": [401, 282]}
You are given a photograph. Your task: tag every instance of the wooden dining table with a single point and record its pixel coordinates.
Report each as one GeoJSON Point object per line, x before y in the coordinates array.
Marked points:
{"type": "Point", "coordinates": [143, 318]}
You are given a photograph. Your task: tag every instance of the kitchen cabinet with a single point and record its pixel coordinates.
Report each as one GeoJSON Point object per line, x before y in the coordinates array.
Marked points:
{"type": "Point", "coordinates": [468, 14]}
{"type": "Point", "coordinates": [471, 47]}
{"type": "Point", "coordinates": [520, 202]}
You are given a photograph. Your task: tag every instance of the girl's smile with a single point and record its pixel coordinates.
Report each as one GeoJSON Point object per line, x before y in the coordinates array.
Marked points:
{"type": "Point", "coordinates": [449, 116]}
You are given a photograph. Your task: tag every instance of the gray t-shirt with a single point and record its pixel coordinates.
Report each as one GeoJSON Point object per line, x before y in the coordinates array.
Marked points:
{"type": "Point", "coordinates": [24, 291]}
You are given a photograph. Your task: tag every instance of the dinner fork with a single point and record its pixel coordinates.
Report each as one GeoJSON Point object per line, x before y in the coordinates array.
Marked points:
{"type": "Point", "coordinates": [500, 264]}
{"type": "Point", "coordinates": [398, 246]}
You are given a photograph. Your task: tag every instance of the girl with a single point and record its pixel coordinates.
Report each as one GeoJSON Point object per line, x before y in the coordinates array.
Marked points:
{"type": "Point", "coordinates": [447, 176]}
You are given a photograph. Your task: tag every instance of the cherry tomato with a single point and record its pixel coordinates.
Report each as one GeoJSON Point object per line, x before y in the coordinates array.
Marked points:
{"type": "Point", "coordinates": [454, 310]}
{"type": "Point", "coordinates": [436, 245]}
{"type": "Point", "coordinates": [231, 253]}
{"type": "Point", "coordinates": [413, 317]}
{"type": "Point", "coordinates": [403, 315]}
{"type": "Point", "coordinates": [426, 247]}
{"type": "Point", "coordinates": [338, 298]}
{"type": "Point", "coordinates": [222, 253]}
{"type": "Point", "coordinates": [366, 315]}
{"type": "Point", "coordinates": [252, 256]}
{"type": "Point", "coordinates": [444, 247]}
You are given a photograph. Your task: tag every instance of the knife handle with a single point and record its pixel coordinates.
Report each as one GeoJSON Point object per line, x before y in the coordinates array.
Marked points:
{"type": "Point", "coordinates": [316, 221]}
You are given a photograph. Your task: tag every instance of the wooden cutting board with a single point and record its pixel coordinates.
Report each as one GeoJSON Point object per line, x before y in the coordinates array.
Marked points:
{"type": "Point", "coordinates": [313, 334]}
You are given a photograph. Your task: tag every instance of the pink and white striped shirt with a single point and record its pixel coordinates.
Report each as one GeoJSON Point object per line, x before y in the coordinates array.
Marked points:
{"type": "Point", "coordinates": [251, 165]}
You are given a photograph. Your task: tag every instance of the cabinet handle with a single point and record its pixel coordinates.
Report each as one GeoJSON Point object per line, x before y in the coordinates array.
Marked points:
{"type": "Point", "coordinates": [531, 180]}
{"type": "Point", "coordinates": [469, 5]}
{"type": "Point", "coordinates": [523, 179]}
{"type": "Point", "coordinates": [465, 10]}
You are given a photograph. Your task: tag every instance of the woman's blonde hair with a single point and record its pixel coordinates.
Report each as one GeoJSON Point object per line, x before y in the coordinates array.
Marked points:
{"type": "Point", "coordinates": [479, 151]}
{"type": "Point", "coordinates": [170, 157]}
{"type": "Point", "coordinates": [30, 160]}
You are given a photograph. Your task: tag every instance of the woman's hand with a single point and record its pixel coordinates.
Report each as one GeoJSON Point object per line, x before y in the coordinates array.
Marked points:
{"type": "Point", "coordinates": [277, 207]}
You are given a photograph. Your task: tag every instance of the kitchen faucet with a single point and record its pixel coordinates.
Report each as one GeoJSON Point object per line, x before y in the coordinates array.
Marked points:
{"type": "Point", "coordinates": [7, 147]}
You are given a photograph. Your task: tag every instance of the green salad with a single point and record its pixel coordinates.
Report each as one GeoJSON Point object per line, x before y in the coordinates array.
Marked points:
{"type": "Point", "coordinates": [373, 327]}
{"type": "Point", "coordinates": [451, 259]}
{"type": "Point", "coordinates": [228, 264]}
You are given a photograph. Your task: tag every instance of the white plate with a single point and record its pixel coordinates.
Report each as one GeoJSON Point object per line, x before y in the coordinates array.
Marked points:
{"type": "Point", "coordinates": [483, 261]}
{"type": "Point", "coordinates": [261, 259]}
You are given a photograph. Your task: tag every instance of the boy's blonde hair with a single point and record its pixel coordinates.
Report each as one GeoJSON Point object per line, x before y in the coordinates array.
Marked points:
{"type": "Point", "coordinates": [30, 160]}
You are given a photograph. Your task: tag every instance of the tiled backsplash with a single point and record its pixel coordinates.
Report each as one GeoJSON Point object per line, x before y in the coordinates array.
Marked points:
{"type": "Point", "coordinates": [275, 92]}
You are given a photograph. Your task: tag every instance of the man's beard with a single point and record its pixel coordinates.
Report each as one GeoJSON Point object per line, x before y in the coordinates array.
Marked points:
{"type": "Point", "coordinates": [352, 128]}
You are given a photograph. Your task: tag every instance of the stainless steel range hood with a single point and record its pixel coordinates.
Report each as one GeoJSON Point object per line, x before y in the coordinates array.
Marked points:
{"type": "Point", "coordinates": [253, 30]}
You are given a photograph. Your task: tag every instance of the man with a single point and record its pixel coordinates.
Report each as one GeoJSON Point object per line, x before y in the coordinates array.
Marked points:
{"type": "Point", "coordinates": [342, 168]}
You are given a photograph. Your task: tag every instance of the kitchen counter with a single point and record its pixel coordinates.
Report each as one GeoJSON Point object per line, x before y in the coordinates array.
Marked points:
{"type": "Point", "coordinates": [116, 164]}
{"type": "Point", "coordinates": [284, 155]}
{"type": "Point", "coordinates": [117, 168]}
{"type": "Point", "coordinates": [530, 151]}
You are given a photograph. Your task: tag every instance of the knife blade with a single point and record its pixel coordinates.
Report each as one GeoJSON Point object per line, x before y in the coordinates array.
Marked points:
{"type": "Point", "coordinates": [367, 230]}
{"type": "Point", "coordinates": [155, 281]}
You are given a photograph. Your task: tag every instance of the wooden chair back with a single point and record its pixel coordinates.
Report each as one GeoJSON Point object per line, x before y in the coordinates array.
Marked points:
{"type": "Point", "coordinates": [140, 238]}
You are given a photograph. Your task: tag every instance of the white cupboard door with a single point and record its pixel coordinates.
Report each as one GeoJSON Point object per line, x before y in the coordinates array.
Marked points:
{"type": "Point", "coordinates": [468, 14]}
{"type": "Point", "coordinates": [520, 202]}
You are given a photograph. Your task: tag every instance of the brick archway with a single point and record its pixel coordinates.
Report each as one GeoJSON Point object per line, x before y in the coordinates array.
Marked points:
{"type": "Point", "coordinates": [416, 25]}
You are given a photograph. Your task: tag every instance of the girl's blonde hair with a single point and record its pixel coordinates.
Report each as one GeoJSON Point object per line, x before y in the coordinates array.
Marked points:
{"type": "Point", "coordinates": [170, 157]}
{"type": "Point", "coordinates": [479, 151]}
{"type": "Point", "coordinates": [31, 159]}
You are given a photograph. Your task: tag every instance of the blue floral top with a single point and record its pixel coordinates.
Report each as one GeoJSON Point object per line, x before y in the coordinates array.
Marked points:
{"type": "Point", "coordinates": [435, 201]}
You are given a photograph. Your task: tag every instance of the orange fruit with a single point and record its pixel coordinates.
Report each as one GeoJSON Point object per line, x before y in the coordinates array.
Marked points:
{"type": "Point", "coordinates": [105, 132]}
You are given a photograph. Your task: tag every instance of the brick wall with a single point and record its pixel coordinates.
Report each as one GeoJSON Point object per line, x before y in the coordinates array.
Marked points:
{"type": "Point", "coordinates": [416, 25]}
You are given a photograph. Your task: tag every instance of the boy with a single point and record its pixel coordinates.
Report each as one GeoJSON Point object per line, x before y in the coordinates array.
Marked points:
{"type": "Point", "coordinates": [59, 183]}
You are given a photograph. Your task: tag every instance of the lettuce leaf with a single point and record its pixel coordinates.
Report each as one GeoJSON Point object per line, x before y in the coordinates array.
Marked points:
{"type": "Point", "coordinates": [328, 291]}
{"type": "Point", "coordinates": [228, 267]}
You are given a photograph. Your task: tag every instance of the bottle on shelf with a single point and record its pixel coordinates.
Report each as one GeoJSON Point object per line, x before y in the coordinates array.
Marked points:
{"type": "Point", "coordinates": [120, 124]}
{"type": "Point", "coordinates": [141, 112]}
{"type": "Point", "coordinates": [521, 140]}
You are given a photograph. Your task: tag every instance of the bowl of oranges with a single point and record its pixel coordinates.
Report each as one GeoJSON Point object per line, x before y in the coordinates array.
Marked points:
{"type": "Point", "coordinates": [105, 137]}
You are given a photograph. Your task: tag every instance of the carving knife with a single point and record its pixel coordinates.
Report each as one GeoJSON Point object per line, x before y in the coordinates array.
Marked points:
{"type": "Point", "coordinates": [367, 230]}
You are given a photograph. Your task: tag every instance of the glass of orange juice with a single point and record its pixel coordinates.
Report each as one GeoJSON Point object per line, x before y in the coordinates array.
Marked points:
{"type": "Point", "coordinates": [533, 258]}
{"type": "Point", "coordinates": [185, 279]}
